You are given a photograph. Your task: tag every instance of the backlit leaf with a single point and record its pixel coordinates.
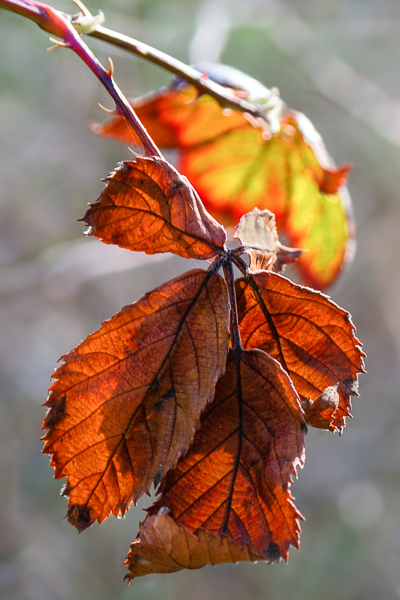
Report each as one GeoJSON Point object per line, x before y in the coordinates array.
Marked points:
{"type": "Point", "coordinates": [321, 412]}
{"type": "Point", "coordinates": [165, 547]}
{"type": "Point", "coordinates": [148, 206]}
{"type": "Point", "coordinates": [236, 164]}
{"type": "Point", "coordinates": [312, 338]}
{"type": "Point", "coordinates": [126, 402]}
{"type": "Point", "coordinates": [235, 479]}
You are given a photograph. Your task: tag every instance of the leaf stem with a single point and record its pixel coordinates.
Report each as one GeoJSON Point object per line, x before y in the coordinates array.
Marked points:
{"type": "Point", "coordinates": [239, 262]}
{"type": "Point", "coordinates": [230, 279]}
{"type": "Point", "coordinates": [59, 24]}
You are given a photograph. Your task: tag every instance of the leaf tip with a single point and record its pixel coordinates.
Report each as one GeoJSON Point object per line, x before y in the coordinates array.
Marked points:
{"type": "Point", "coordinates": [79, 516]}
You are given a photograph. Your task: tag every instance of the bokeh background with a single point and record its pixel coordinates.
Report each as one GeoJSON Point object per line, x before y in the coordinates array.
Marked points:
{"type": "Point", "coordinates": [335, 60]}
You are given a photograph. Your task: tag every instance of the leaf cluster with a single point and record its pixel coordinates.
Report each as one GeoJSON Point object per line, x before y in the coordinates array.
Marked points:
{"type": "Point", "coordinates": [202, 389]}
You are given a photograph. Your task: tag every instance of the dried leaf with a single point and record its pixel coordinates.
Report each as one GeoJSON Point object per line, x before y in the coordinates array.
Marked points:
{"type": "Point", "coordinates": [165, 547]}
{"type": "Point", "coordinates": [126, 402]}
{"type": "Point", "coordinates": [258, 235]}
{"type": "Point", "coordinates": [312, 338]}
{"type": "Point", "coordinates": [321, 412]}
{"type": "Point", "coordinates": [148, 206]}
{"type": "Point", "coordinates": [235, 479]}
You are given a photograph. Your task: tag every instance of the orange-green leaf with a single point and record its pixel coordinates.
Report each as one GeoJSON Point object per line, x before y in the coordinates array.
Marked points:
{"type": "Point", "coordinates": [165, 547]}
{"type": "Point", "coordinates": [235, 479]}
{"type": "Point", "coordinates": [126, 402]}
{"type": "Point", "coordinates": [236, 164]}
{"type": "Point", "coordinates": [148, 206]}
{"type": "Point", "coordinates": [312, 337]}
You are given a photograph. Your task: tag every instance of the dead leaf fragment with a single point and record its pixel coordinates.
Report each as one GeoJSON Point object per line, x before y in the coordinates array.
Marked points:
{"type": "Point", "coordinates": [165, 547]}
{"type": "Point", "coordinates": [258, 235]}
{"type": "Point", "coordinates": [321, 412]}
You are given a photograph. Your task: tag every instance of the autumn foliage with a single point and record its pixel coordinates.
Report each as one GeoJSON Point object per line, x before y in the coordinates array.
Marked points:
{"type": "Point", "coordinates": [202, 391]}
{"type": "Point", "coordinates": [203, 388]}
{"type": "Point", "coordinates": [236, 164]}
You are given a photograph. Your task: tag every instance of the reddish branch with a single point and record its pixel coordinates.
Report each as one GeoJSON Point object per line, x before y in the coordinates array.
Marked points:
{"type": "Point", "coordinates": [59, 24]}
{"type": "Point", "coordinates": [66, 26]}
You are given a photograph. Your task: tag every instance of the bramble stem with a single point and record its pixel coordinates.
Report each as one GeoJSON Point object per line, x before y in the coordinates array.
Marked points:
{"type": "Point", "coordinates": [202, 83]}
{"type": "Point", "coordinates": [225, 96]}
{"type": "Point", "coordinates": [59, 24]}
{"type": "Point", "coordinates": [230, 279]}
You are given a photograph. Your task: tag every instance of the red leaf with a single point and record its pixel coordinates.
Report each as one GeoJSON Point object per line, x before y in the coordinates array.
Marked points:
{"type": "Point", "coordinates": [235, 479]}
{"type": "Point", "coordinates": [312, 338]}
{"type": "Point", "coordinates": [126, 402]}
{"type": "Point", "coordinates": [148, 206]}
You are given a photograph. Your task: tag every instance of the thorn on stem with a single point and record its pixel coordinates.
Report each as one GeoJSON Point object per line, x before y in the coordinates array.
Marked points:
{"type": "Point", "coordinates": [110, 111]}
{"type": "Point", "coordinates": [110, 71]}
{"type": "Point", "coordinates": [85, 11]}
{"type": "Point", "coordinates": [57, 44]}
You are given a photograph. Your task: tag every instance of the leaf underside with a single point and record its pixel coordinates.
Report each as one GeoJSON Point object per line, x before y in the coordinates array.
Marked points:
{"type": "Point", "coordinates": [165, 547]}
{"type": "Point", "coordinates": [235, 479]}
{"type": "Point", "coordinates": [126, 402]}
{"type": "Point", "coordinates": [312, 338]}
{"type": "Point", "coordinates": [148, 206]}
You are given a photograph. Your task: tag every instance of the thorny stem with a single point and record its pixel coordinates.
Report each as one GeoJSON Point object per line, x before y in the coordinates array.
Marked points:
{"type": "Point", "coordinates": [86, 23]}
{"type": "Point", "coordinates": [203, 84]}
{"type": "Point", "coordinates": [59, 24]}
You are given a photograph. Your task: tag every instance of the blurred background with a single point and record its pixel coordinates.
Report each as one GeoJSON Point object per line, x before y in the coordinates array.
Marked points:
{"type": "Point", "coordinates": [335, 60]}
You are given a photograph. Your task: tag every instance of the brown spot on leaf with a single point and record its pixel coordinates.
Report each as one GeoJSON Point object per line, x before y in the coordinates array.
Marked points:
{"type": "Point", "coordinates": [79, 516]}
{"type": "Point", "coordinates": [56, 412]}
{"type": "Point", "coordinates": [273, 553]}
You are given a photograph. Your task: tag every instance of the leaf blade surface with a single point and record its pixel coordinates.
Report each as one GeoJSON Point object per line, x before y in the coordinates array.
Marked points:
{"type": "Point", "coordinates": [235, 479]}
{"type": "Point", "coordinates": [126, 402]}
{"type": "Point", "coordinates": [165, 547]}
{"type": "Point", "coordinates": [148, 206]}
{"type": "Point", "coordinates": [312, 337]}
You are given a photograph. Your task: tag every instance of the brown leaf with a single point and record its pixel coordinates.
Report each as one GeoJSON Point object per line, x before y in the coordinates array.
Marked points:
{"type": "Point", "coordinates": [126, 402]}
{"type": "Point", "coordinates": [165, 547]}
{"type": "Point", "coordinates": [312, 337]}
{"type": "Point", "coordinates": [321, 413]}
{"type": "Point", "coordinates": [258, 234]}
{"type": "Point", "coordinates": [148, 206]}
{"type": "Point", "coordinates": [235, 479]}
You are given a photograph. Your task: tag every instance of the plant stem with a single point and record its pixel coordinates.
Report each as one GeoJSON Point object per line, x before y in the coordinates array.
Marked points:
{"type": "Point", "coordinates": [230, 279]}
{"type": "Point", "coordinates": [202, 83]}
{"type": "Point", "coordinates": [59, 24]}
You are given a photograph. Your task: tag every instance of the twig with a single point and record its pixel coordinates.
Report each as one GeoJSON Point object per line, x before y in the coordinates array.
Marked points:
{"type": "Point", "coordinates": [203, 84]}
